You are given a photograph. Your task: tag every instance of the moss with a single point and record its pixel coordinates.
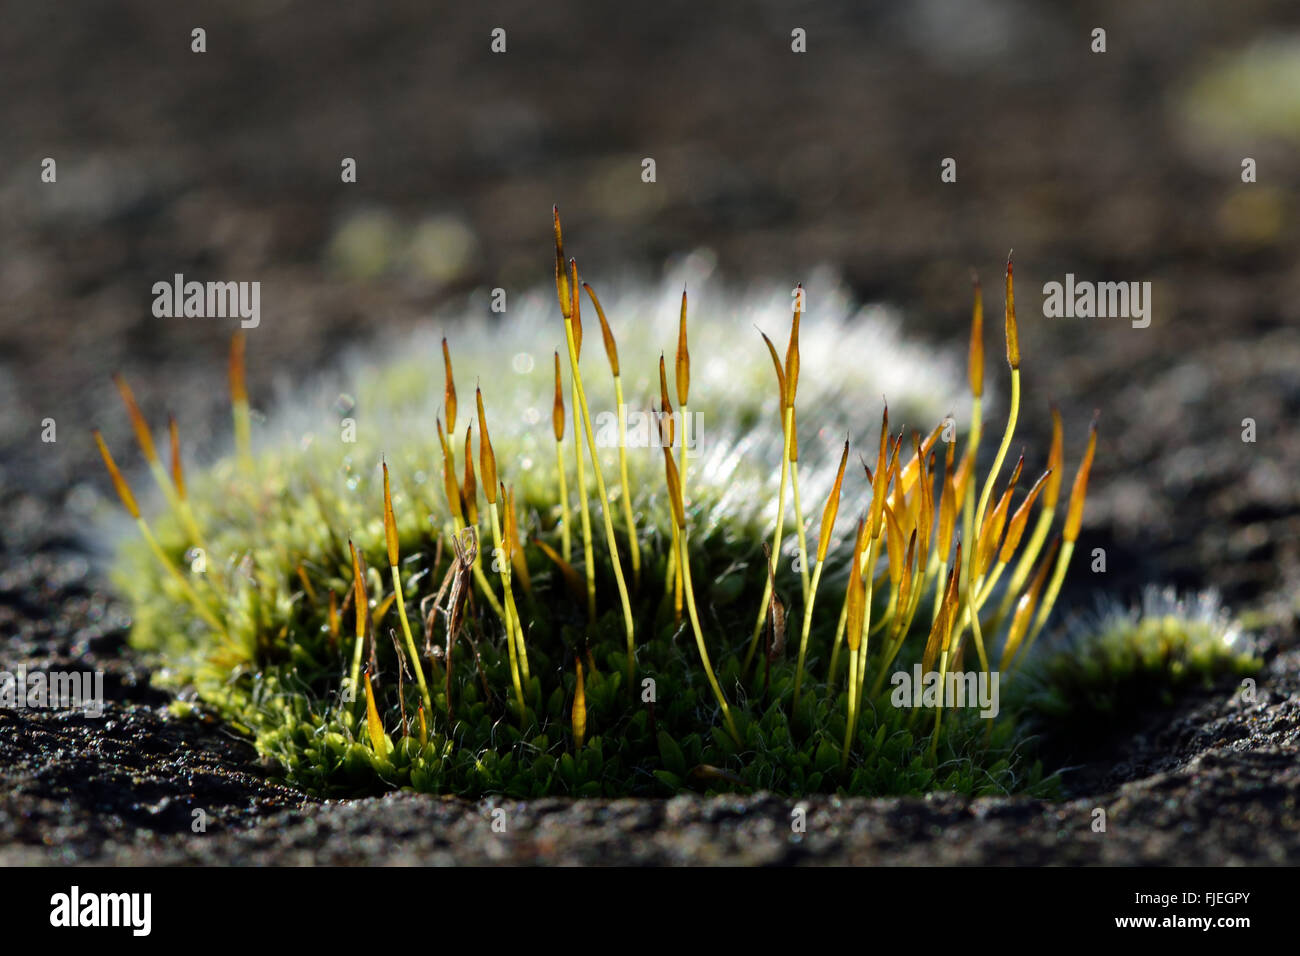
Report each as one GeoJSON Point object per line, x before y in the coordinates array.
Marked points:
{"type": "Point", "coordinates": [252, 592]}
{"type": "Point", "coordinates": [1122, 661]}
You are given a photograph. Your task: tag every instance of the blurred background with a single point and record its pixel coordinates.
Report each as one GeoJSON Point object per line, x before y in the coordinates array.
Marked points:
{"type": "Point", "coordinates": [1123, 165]}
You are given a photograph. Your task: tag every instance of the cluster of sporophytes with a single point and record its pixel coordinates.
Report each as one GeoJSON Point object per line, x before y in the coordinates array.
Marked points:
{"type": "Point", "coordinates": [578, 611]}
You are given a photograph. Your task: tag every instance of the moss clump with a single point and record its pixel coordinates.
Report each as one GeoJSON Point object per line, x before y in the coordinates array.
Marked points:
{"type": "Point", "coordinates": [470, 630]}
{"type": "Point", "coordinates": [1126, 660]}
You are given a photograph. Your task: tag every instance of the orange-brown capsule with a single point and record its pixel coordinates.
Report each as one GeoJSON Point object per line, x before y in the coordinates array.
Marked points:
{"type": "Point", "coordinates": [449, 388]}
{"type": "Point", "coordinates": [508, 520]}
{"type": "Point", "coordinates": [575, 313]}
{"type": "Point", "coordinates": [683, 366]}
{"type": "Point", "coordinates": [1016, 528]}
{"type": "Point", "coordinates": [606, 333]}
{"type": "Point", "coordinates": [579, 712]}
{"type": "Point", "coordinates": [674, 489]}
{"type": "Point", "coordinates": [880, 482]}
{"type": "Point", "coordinates": [939, 629]}
{"type": "Point", "coordinates": [667, 424]}
{"type": "Point", "coordinates": [119, 483]}
{"type": "Point", "coordinates": [832, 509]}
{"type": "Point", "coordinates": [1074, 517]}
{"type": "Point", "coordinates": [780, 374]}
{"type": "Point", "coordinates": [976, 361]}
{"type": "Point", "coordinates": [557, 409]}
{"type": "Point", "coordinates": [178, 470]}
{"type": "Point", "coordinates": [360, 602]}
{"type": "Point", "coordinates": [449, 476]}
{"type": "Point", "coordinates": [909, 563]}
{"type": "Point", "coordinates": [951, 597]}
{"type": "Point", "coordinates": [390, 522]}
{"type": "Point", "coordinates": [1026, 604]}
{"type": "Point", "coordinates": [893, 547]}
{"type": "Point", "coordinates": [143, 437]}
{"type": "Point", "coordinates": [469, 487]}
{"type": "Point", "coordinates": [925, 514]}
{"type": "Point", "coordinates": [238, 389]}
{"type": "Point", "coordinates": [374, 726]}
{"type": "Point", "coordinates": [573, 581]}
{"type": "Point", "coordinates": [487, 459]}
{"type": "Point", "coordinates": [561, 275]}
{"type": "Point", "coordinates": [792, 350]}
{"type": "Point", "coordinates": [947, 511]}
{"type": "Point", "coordinates": [1013, 335]}
{"type": "Point", "coordinates": [1055, 463]}
{"type": "Point", "coordinates": [908, 476]}
{"type": "Point", "coordinates": [855, 611]}
{"type": "Point", "coordinates": [994, 523]}
{"type": "Point", "coordinates": [306, 584]}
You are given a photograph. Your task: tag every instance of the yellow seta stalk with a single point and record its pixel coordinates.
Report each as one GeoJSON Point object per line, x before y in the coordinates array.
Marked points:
{"type": "Point", "coordinates": [667, 433]}
{"type": "Point", "coordinates": [792, 367]}
{"type": "Point", "coordinates": [1013, 360]}
{"type": "Point", "coordinates": [1015, 531]}
{"type": "Point", "coordinates": [571, 319]}
{"type": "Point", "coordinates": [682, 369]}
{"type": "Point", "coordinates": [518, 559]}
{"type": "Point", "coordinates": [1073, 523]}
{"type": "Point", "coordinates": [457, 505]}
{"type": "Point", "coordinates": [129, 503]}
{"type": "Point", "coordinates": [501, 559]}
{"type": "Point", "coordinates": [361, 613]}
{"type": "Point", "coordinates": [776, 538]}
{"type": "Point", "coordinates": [683, 561]}
{"type": "Point", "coordinates": [584, 510]}
{"type": "Point", "coordinates": [804, 582]}
{"type": "Point", "coordinates": [942, 639]}
{"type": "Point", "coordinates": [853, 637]}
{"type": "Point", "coordinates": [880, 481]}
{"type": "Point", "coordinates": [611, 351]}
{"type": "Point", "coordinates": [836, 643]}
{"type": "Point", "coordinates": [1025, 608]}
{"type": "Point", "coordinates": [390, 541]}
{"type": "Point", "coordinates": [166, 484]}
{"type": "Point", "coordinates": [178, 482]}
{"type": "Point", "coordinates": [868, 589]}
{"type": "Point", "coordinates": [1051, 493]}
{"type": "Point", "coordinates": [573, 331]}
{"type": "Point", "coordinates": [787, 380]}
{"type": "Point", "coordinates": [975, 372]}
{"type": "Point", "coordinates": [829, 513]}
{"type": "Point", "coordinates": [239, 404]}
{"type": "Point", "coordinates": [908, 602]}
{"type": "Point", "coordinates": [515, 558]}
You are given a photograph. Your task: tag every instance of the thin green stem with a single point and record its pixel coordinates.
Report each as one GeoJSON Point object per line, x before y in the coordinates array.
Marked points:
{"type": "Point", "coordinates": [776, 540]}
{"type": "Point", "coordinates": [410, 640]}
